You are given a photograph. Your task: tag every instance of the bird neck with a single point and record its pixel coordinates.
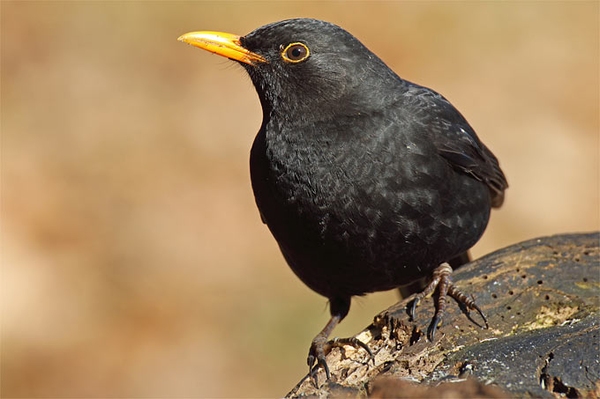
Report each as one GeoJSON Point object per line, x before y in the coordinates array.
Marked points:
{"type": "Point", "coordinates": [328, 98]}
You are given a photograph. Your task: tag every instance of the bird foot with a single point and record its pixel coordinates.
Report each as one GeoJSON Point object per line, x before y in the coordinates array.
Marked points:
{"type": "Point", "coordinates": [441, 280]}
{"type": "Point", "coordinates": [321, 347]}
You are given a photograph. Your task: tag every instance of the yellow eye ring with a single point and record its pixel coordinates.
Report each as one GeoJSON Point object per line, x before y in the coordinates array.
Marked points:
{"type": "Point", "coordinates": [295, 52]}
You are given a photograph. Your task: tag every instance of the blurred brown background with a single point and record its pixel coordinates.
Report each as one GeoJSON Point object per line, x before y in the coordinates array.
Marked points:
{"type": "Point", "coordinates": [134, 262]}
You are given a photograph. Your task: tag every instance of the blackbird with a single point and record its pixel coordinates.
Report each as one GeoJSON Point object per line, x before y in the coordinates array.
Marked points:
{"type": "Point", "coordinates": [368, 182]}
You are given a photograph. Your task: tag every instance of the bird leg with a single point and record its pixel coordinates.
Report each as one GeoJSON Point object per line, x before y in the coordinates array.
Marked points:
{"type": "Point", "coordinates": [441, 280]}
{"type": "Point", "coordinates": [320, 347]}
{"type": "Point", "coordinates": [418, 285]}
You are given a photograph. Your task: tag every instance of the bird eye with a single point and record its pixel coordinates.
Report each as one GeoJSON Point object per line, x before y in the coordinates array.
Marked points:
{"type": "Point", "coordinates": [295, 52]}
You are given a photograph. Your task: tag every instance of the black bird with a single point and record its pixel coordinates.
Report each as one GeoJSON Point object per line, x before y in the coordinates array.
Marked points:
{"type": "Point", "coordinates": [367, 181]}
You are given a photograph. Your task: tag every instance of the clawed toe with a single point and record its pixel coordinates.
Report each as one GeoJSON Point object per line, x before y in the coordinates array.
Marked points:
{"type": "Point", "coordinates": [467, 304]}
{"type": "Point", "coordinates": [412, 307]}
{"type": "Point", "coordinates": [316, 358]}
{"type": "Point", "coordinates": [443, 283]}
{"type": "Point", "coordinates": [320, 348]}
{"type": "Point", "coordinates": [435, 322]}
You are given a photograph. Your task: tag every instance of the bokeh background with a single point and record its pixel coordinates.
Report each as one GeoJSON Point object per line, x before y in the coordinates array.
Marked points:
{"type": "Point", "coordinates": [134, 262]}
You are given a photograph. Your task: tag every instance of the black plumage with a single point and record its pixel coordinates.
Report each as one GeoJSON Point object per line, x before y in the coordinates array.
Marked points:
{"type": "Point", "coordinates": [368, 182]}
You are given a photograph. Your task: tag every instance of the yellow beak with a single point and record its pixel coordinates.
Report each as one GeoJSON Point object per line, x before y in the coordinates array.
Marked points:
{"type": "Point", "coordinates": [224, 44]}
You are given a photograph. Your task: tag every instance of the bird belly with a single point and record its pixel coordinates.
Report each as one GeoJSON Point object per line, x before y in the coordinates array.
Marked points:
{"type": "Point", "coordinates": [354, 258]}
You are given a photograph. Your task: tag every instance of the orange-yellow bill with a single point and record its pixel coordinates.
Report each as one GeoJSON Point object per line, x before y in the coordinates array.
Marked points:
{"type": "Point", "coordinates": [224, 44]}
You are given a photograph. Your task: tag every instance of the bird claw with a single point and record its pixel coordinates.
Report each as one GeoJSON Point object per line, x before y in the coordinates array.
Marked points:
{"type": "Point", "coordinates": [443, 283]}
{"type": "Point", "coordinates": [467, 304]}
{"type": "Point", "coordinates": [435, 322]}
{"type": "Point", "coordinates": [413, 307]}
{"type": "Point", "coordinates": [320, 348]}
{"type": "Point", "coordinates": [482, 316]}
{"type": "Point", "coordinates": [316, 358]}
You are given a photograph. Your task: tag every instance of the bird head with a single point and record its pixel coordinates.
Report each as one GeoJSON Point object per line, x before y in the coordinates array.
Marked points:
{"type": "Point", "coordinates": [301, 64]}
